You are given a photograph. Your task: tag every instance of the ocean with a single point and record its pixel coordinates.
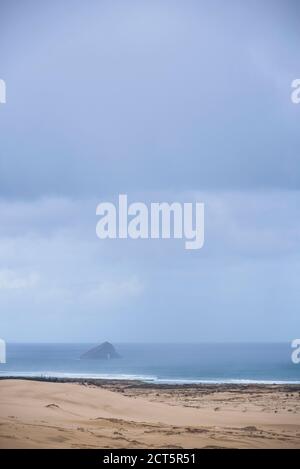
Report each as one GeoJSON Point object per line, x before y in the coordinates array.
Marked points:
{"type": "Point", "coordinates": [159, 363]}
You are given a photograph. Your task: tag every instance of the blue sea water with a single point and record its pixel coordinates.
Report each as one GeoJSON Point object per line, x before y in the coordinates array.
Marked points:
{"type": "Point", "coordinates": [159, 363]}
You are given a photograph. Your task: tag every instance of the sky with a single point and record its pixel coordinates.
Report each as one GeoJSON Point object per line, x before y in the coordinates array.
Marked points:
{"type": "Point", "coordinates": [163, 101]}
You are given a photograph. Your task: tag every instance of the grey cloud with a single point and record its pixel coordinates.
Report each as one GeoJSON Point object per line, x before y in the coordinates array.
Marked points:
{"type": "Point", "coordinates": [164, 101]}
{"type": "Point", "coordinates": [247, 270]}
{"type": "Point", "coordinates": [149, 96]}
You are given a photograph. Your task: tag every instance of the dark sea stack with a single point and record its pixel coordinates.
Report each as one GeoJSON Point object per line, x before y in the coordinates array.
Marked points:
{"type": "Point", "coordinates": [105, 351]}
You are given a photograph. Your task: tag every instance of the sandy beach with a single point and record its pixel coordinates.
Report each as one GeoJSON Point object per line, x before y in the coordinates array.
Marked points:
{"type": "Point", "coordinates": [38, 414]}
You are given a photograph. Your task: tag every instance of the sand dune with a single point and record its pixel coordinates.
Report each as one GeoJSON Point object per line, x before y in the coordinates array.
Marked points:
{"type": "Point", "coordinates": [42, 414]}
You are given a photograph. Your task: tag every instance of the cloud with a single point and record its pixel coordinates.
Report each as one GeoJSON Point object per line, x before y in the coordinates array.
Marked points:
{"type": "Point", "coordinates": [247, 268]}
{"type": "Point", "coordinates": [11, 280]}
{"type": "Point", "coordinates": [165, 102]}
{"type": "Point", "coordinates": [190, 104]}
{"type": "Point", "coordinates": [110, 293]}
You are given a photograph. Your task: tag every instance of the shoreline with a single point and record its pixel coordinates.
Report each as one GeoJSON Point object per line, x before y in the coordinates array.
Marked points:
{"type": "Point", "coordinates": [135, 383]}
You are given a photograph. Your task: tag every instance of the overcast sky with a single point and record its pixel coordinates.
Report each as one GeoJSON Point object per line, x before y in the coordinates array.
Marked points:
{"type": "Point", "coordinates": [165, 101]}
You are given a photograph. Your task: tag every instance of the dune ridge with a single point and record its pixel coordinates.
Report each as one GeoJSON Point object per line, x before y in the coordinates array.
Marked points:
{"type": "Point", "coordinates": [37, 414]}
